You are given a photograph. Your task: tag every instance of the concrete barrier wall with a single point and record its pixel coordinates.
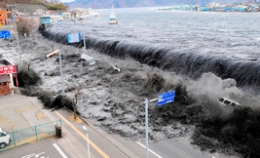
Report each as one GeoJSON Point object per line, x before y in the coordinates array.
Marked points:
{"type": "Point", "coordinates": [27, 8]}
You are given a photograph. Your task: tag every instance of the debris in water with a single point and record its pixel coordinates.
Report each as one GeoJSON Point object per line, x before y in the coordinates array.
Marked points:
{"type": "Point", "coordinates": [117, 69]}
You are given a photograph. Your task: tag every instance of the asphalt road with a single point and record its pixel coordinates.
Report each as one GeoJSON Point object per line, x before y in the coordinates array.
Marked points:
{"type": "Point", "coordinates": [170, 148]}
{"type": "Point", "coordinates": [178, 149]}
{"type": "Point", "coordinates": [43, 149]}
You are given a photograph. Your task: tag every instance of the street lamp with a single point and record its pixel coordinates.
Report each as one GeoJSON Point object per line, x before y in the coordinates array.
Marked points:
{"type": "Point", "coordinates": [61, 73]}
{"type": "Point", "coordinates": [86, 130]}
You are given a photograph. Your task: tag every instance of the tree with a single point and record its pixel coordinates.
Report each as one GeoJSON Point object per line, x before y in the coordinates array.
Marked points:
{"type": "Point", "coordinates": [77, 95]}
{"type": "Point", "coordinates": [26, 25]}
{"type": "Point", "coordinates": [59, 6]}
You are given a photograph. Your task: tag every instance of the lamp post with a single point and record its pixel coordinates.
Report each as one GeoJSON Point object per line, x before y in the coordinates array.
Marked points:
{"type": "Point", "coordinates": [146, 127]}
{"type": "Point", "coordinates": [86, 130]}
{"type": "Point", "coordinates": [61, 73]}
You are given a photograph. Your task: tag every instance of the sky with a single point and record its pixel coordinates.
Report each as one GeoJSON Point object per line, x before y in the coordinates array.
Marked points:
{"type": "Point", "coordinates": [66, 0]}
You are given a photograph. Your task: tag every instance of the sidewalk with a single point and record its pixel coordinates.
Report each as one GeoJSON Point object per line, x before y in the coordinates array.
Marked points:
{"type": "Point", "coordinates": [18, 112]}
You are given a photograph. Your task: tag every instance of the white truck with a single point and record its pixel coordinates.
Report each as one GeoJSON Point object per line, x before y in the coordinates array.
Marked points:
{"type": "Point", "coordinates": [5, 138]}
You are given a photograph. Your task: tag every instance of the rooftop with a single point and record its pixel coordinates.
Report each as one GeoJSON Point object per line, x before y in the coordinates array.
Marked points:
{"type": "Point", "coordinates": [4, 62]}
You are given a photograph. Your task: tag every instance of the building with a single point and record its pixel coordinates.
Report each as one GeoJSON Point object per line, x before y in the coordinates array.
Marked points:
{"type": "Point", "coordinates": [4, 14]}
{"type": "Point", "coordinates": [66, 15]}
{"type": "Point", "coordinates": [8, 74]}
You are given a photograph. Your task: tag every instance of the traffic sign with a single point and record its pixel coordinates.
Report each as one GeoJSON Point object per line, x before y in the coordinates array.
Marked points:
{"type": "Point", "coordinates": [72, 38]}
{"type": "Point", "coordinates": [165, 98]}
{"type": "Point", "coordinates": [5, 34]}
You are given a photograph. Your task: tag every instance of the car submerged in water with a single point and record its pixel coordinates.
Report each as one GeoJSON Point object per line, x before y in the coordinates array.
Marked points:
{"type": "Point", "coordinates": [5, 138]}
{"type": "Point", "coordinates": [228, 102]}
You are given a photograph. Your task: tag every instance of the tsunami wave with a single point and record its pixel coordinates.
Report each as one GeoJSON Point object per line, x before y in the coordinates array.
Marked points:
{"type": "Point", "coordinates": [245, 73]}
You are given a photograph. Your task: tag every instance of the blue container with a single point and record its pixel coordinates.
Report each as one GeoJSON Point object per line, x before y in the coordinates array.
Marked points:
{"type": "Point", "coordinates": [45, 20]}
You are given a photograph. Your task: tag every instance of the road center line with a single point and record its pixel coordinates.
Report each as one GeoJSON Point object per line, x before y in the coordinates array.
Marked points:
{"type": "Point", "coordinates": [149, 150]}
{"type": "Point", "coordinates": [83, 136]}
{"type": "Point", "coordinates": [59, 150]}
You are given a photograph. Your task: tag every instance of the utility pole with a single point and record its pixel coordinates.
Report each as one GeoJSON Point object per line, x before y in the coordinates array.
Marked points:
{"type": "Point", "coordinates": [12, 6]}
{"type": "Point", "coordinates": [61, 74]}
{"type": "Point", "coordinates": [84, 41]}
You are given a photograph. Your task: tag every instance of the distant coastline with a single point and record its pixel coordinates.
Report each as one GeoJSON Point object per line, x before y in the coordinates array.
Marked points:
{"type": "Point", "coordinates": [217, 7]}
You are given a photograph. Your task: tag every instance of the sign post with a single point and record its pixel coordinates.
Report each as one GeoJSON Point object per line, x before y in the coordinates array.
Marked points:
{"type": "Point", "coordinates": [163, 98]}
{"type": "Point", "coordinates": [146, 126]}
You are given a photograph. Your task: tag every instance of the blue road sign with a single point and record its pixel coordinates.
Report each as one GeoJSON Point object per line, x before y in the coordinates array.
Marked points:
{"type": "Point", "coordinates": [5, 34]}
{"type": "Point", "coordinates": [72, 38]}
{"type": "Point", "coordinates": [165, 98]}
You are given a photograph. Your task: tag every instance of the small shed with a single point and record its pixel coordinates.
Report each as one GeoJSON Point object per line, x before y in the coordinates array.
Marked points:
{"type": "Point", "coordinates": [8, 75]}
{"type": "Point", "coordinates": [4, 16]}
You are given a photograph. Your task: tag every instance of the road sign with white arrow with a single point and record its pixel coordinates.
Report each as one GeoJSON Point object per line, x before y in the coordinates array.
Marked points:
{"type": "Point", "coordinates": [5, 34]}
{"type": "Point", "coordinates": [165, 98]}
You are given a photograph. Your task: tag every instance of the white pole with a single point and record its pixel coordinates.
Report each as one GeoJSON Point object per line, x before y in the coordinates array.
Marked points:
{"type": "Point", "coordinates": [146, 127]}
{"type": "Point", "coordinates": [84, 41]}
{"type": "Point", "coordinates": [85, 128]}
{"type": "Point", "coordinates": [61, 74]}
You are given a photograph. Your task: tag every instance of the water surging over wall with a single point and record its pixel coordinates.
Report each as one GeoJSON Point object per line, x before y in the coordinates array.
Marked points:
{"type": "Point", "coordinates": [246, 73]}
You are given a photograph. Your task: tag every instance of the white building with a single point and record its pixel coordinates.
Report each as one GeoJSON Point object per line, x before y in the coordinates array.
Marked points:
{"type": "Point", "coordinates": [66, 15]}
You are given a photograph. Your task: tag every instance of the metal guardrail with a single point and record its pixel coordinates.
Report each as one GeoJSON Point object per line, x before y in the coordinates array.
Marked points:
{"type": "Point", "coordinates": [34, 134]}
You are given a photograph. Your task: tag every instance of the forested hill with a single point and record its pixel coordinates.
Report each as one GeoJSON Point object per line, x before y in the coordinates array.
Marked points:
{"type": "Point", "coordinates": [96, 4]}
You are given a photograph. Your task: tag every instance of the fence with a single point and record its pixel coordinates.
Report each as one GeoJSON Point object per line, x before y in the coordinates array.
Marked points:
{"type": "Point", "coordinates": [34, 134]}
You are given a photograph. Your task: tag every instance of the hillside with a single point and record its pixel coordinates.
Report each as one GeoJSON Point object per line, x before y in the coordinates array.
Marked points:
{"type": "Point", "coordinates": [97, 4]}
{"type": "Point", "coordinates": [23, 1]}
{"type": "Point", "coordinates": [30, 6]}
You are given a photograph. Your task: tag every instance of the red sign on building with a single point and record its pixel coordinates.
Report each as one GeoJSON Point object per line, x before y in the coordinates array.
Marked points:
{"type": "Point", "coordinates": [8, 69]}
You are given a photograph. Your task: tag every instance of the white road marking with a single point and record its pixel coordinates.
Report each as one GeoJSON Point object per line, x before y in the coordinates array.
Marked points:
{"type": "Point", "coordinates": [59, 150]}
{"type": "Point", "coordinates": [149, 150]}
{"type": "Point", "coordinates": [33, 155]}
